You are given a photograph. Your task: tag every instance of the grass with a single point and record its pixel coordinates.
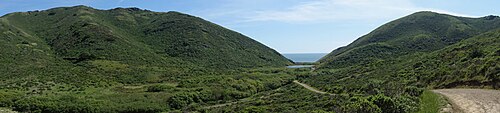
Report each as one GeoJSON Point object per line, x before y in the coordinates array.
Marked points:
{"type": "Point", "coordinates": [430, 102]}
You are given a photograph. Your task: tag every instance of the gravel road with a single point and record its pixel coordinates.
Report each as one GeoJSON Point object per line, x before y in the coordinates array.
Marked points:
{"type": "Point", "coordinates": [473, 100]}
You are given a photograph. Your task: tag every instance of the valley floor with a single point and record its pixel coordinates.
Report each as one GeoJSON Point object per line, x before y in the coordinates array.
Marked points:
{"type": "Point", "coordinates": [473, 100]}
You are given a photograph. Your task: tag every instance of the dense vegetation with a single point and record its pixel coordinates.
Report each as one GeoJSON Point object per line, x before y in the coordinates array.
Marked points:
{"type": "Point", "coordinates": [402, 58]}
{"type": "Point", "coordinates": [390, 69]}
{"type": "Point", "coordinates": [80, 59]}
{"type": "Point", "coordinates": [418, 32]}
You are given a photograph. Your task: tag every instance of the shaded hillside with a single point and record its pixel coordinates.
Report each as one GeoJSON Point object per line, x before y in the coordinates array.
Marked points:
{"type": "Point", "coordinates": [418, 32]}
{"type": "Point", "coordinates": [139, 37]}
{"type": "Point", "coordinates": [472, 62]}
{"type": "Point", "coordinates": [124, 43]}
{"type": "Point", "coordinates": [128, 60]}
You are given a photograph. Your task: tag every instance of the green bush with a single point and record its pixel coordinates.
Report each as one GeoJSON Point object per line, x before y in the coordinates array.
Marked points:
{"type": "Point", "coordinates": [386, 104]}
{"type": "Point", "coordinates": [158, 88]}
{"type": "Point", "coordinates": [181, 100]}
{"type": "Point", "coordinates": [360, 105]}
{"type": "Point", "coordinates": [413, 91]}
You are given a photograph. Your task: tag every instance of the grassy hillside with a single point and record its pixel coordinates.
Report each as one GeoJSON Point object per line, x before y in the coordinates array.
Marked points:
{"type": "Point", "coordinates": [418, 32]}
{"type": "Point", "coordinates": [401, 58]}
{"type": "Point", "coordinates": [470, 63]}
{"type": "Point", "coordinates": [123, 43]}
{"type": "Point", "coordinates": [80, 59]}
{"type": "Point", "coordinates": [137, 36]}
{"type": "Point", "coordinates": [388, 70]}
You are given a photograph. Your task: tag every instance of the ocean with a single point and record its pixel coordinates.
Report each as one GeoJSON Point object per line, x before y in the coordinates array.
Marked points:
{"type": "Point", "coordinates": [304, 57]}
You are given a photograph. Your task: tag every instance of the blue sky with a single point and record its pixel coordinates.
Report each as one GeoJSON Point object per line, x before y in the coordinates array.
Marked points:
{"type": "Point", "coordinates": [288, 26]}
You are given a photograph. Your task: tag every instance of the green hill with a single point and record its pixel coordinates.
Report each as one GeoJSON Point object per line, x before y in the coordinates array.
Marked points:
{"type": "Point", "coordinates": [80, 59]}
{"type": "Point", "coordinates": [387, 70]}
{"type": "Point", "coordinates": [418, 32]}
{"type": "Point", "coordinates": [124, 40]}
{"type": "Point", "coordinates": [396, 61]}
{"type": "Point", "coordinates": [140, 37]}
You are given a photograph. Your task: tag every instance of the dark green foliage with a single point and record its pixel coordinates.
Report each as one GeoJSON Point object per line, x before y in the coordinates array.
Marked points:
{"type": "Point", "coordinates": [387, 70]}
{"type": "Point", "coordinates": [386, 104]}
{"type": "Point", "coordinates": [182, 100]}
{"type": "Point", "coordinates": [289, 98]}
{"type": "Point", "coordinates": [394, 63]}
{"type": "Point", "coordinates": [475, 54]}
{"type": "Point", "coordinates": [419, 32]}
{"type": "Point", "coordinates": [158, 88]}
{"type": "Point", "coordinates": [413, 91]}
{"type": "Point", "coordinates": [127, 60]}
{"type": "Point", "coordinates": [361, 105]}
{"type": "Point", "coordinates": [75, 104]}
{"type": "Point", "coordinates": [472, 62]}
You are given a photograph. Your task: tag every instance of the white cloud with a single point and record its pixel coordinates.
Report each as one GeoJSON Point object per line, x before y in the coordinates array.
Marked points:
{"type": "Point", "coordinates": [331, 10]}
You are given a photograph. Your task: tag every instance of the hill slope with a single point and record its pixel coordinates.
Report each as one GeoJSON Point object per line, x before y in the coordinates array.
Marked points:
{"type": "Point", "coordinates": [80, 59]}
{"type": "Point", "coordinates": [398, 60]}
{"type": "Point", "coordinates": [124, 41]}
{"type": "Point", "coordinates": [418, 32]}
{"type": "Point", "coordinates": [140, 36]}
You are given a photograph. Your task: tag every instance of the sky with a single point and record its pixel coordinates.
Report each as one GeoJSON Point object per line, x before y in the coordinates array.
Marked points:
{"type": "Point", "coordinates": [288, 26]}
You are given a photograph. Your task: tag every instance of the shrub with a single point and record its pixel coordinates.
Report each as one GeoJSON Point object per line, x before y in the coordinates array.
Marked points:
{"type": "Point", "coordinates": [386, 104]}
{"type": "Point", "coordinates": [413, 91]}
{"type": "Point", "coordinates": [157, 88]}
{"type": "Point", "coordinates": [360, 105]}
{"type": "Point", "coordinates": [476, 54]}
{"type": "Point", "coordinates": [180, 100]}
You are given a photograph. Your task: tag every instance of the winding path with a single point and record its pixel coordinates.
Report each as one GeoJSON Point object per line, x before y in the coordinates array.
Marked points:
{"type": "Point", "coordinates": [248, 99]}
{"type": "Point", "coordinates": [311, 88]}
{"type": "Point", "coordinates": [473, 100]}
{"type": "Point", "coordinates": [226, 104]}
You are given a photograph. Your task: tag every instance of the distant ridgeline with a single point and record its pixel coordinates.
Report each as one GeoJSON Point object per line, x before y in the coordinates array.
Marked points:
{"type": "Point", "coordinates": [434, 48]}
{"type": "Point", "coordinates": [68, 40]}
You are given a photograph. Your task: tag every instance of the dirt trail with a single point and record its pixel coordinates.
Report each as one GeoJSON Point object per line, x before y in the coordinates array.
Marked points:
{"type": "Point", "coordinates": [226, 104]}
{"type": "Point", "coordinates": [238, 101]}
{"type": "Point", "coordinates": [248, 99]}
{"type": "Point", "coordinates": [473, 100]}
{"type": "Point", "coordinates": [311, 88]}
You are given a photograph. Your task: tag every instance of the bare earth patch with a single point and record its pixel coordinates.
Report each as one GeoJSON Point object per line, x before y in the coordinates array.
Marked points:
{"type": "Point", "coordinates": [473, 100]}
{"type": "Point", "coordinates": [311, 88]}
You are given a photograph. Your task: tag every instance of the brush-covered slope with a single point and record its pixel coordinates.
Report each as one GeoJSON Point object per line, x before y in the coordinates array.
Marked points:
{"type": "Point", "coordinates": [398, 60]}
{"type": "Point", "coordinates": [128, 60]}
{"type": "Point", "coordinates": [418, 32]}
{"type": "Point", "coordinates": [474, 62]}
{"type": "Point", "coordinates": [390, 84]}
{"type": "Point", "coordinates": [125, 37]}
{"type": "Point", "coordinates": [139, 36]}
